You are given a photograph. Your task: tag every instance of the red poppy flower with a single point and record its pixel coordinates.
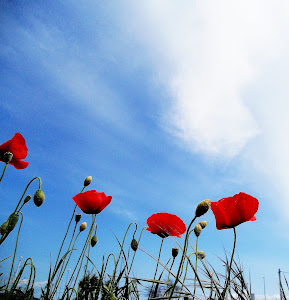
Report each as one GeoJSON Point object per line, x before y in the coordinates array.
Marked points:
{"type": "Point", "coordinates": [17, 146]}
{"type": "Point", "coordinates": [232, 211]}
{"type": "Point", "coordinates": [164, 225]}
{"type": "Point", "coordinates": [91, 202]}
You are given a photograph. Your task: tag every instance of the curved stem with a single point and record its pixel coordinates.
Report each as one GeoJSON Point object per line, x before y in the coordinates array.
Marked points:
{"type": "Point", "coordinates": [183, 256]}
{"type": "Point", "coordinates": [195, 281]}
{"type": "Point", "coordinates": [230, 267]}
{"type": "Point", "coordinates": [15, 249]}
{"type": "Point", "coordinates": [39, 179]}
{"type": "Point", "coordinates": [3, 171]}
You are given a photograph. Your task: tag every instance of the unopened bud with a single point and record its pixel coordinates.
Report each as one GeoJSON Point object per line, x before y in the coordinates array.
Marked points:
{"type": "Point", "coordinates": [175, 252]}
{"type": "Point", "coordinates": [197, 230]}
{"type": "Point", "coordinates": [38, 198]}
{"type": "Point", "coordinates": [134, 245]}
{"type": "Point", "coordinates": [93, 241]}
{"type": "Point", "coordinates": [7, 157]}
{"type": "Point", "coordinates": [77, 218]}
{"type": "Point", "coordinates": [201, 255]}
{"type": "Point", "coordinates": [28, 197]}
{"type": "Point", "coordinates": [203, 207]}
{"type": "Point", "coordinates": [3, 227]}
{"type": "Point", "coordinates": [203, 224]}
{"type": "Point", "coordinates": [87, 181]}
{"type": "Point", "coordinates": [82, 226]}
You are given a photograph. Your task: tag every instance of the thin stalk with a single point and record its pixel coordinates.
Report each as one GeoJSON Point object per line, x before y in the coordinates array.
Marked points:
{"type": "Point", "coordinates": [196, 263]}
{"type": "Point", "coordinates": [15, 249]}
{"type": "Point", "coordinates": [183, 256]}
{"type": "Point", "coordinates": [157, 266]}
{"type": "Point", "coordinates": [222, 297]}
{"type": "Point", "coordinates": [3, 171]}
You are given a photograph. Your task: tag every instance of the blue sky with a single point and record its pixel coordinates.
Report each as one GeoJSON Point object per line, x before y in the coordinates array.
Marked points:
{"type": "Point", "coordinates": [164, 104]}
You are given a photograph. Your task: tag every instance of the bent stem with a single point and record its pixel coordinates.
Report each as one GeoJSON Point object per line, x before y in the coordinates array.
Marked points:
{"type": "Point", "coordinates": [3, 171]}
{"type": "Point", "coordinates": [230, 267]}
{"type": "Point", "coordinates": [183, 256]}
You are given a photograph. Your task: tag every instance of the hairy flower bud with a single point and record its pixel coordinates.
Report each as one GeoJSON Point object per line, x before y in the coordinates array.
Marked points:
{"type": "Point", "coordinates": [38, 198]}
{"type": "Point", "coordinates": [134, 244]}
{"type": "Point", "coordinates": [87, 181]}
{"type": "Point", "coordinates": [27, 199]}
{"type": "Point", "coordinates": [203, 207]}
{"type": "Point", "coordinates": [77, 218]}
{"type": "Point", "coordinates": [7, 157]}
{"type": "Point", "coordinates": [93, 241]}
{"type": "Point", "coordinates": [201, 255]}
{"type": "Point", "coordinates": [82, 226]}
{"type": "Point", "coordinates": [203, 224]}
{"type": "Point", "coordinates": [197, 230]}
{"type": "Point", "coordinates": [175, 252]}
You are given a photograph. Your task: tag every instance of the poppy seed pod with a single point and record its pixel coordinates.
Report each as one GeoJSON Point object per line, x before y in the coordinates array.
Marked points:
{"type": "Point", "coordinates": [82, 226]}
{"type": "Point", "coordinates": [93, 241]}
{"type": "Point", "coordinates": [198, 230]}
{"type": "Point", "coordinates": [7, 157]}
{"type": "Point", "coordinates": [203, 224]}
{"type": "Point", "coordinates": [77, 218]}
{"type": "Point", "coordinates": [203, 207]}
{"type": "Point", "coordinates": [38, 198]}
{"type": "Point", "coordinates": [175, 252]}
{"type": "Point", "coordinates": [134, 245]}
{"type": "Point", "coordinates": [87, 181]}
{"type": "Point", "coordinates": [201, 255]}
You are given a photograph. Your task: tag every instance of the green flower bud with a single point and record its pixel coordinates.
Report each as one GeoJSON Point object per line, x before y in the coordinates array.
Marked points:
{"type": "Point", "coordinates": [28, 197]}
{"type": "Point", "coordinates": [12, 221]}
{"type": "Point", "coordinates": [134, 244]}
{"type": "Point", "coordinates": [93, 241]}
{"type": "Point", "coordinates": [38, 198]}
{"type": "Point", "coordinates": [203, 207]}
{"type": "Point", "coordinates": [77, 218]}
{"type": "Point", "coordinates": [197, 230]}
{"type": "Point", "coordinates": [3, 227]}
{"type": "Point", "coordinates": [82, 226]}
{"type": "Point", "coordinates": [175, 252]}
{"type": "Point", "coordinates": [201, 255]}
{"type": "Point", "coordinates": [203, 224]}
{"type": "Point", "coordinates": [87, 181]}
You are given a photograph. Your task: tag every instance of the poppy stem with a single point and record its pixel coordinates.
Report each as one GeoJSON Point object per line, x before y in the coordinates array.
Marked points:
{"type": "Point", "coordinates": [183, 256]}
{"type": "Point", "coordinates": [157, 267]}
{"type": "Point", "coordinates": [195, 281]}
{"type": "Point", "coordinates": [3, 171]}
{"type": "Point", "coordinates": [230, 267]}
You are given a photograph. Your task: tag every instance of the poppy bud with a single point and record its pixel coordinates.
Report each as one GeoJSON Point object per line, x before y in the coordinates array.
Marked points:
{"type": "Point", "coordinates": [38, 198]}
{"type": "Point", "coordinates": [12, 221]}
{"type": "Point", "coordinates": [82, 226]}
{"type": "Point", "coordinates": [93, 241]}
{"type": "Point", "coordinates": [3, 227]}
{"type": "Point", "coordinates": [87, 181]}
{"type": "Point", "coordinates": [175, 252]}
{"type": "Point", "coordinates": [77, 218]}
{"type": "Point", "coordinates": [201, 255]}
{"type": "Point", "coordinates": [203, 224]}
{"type": "Point", "coordinates": [203, 207]}
{"type": "Point", "coordinates": [7, 157]}
{"type": "Point", "coordinates": [28, 197]}
{"type": "Point", "coordinates": [197, 230]}
{"type": "Point", "coordinates": [134, 244]}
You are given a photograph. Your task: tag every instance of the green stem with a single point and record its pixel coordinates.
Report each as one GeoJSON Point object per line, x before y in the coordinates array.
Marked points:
{"type": "Point", "coordinates": [3, 171]}
{"type": "Point", "coordinates": [39, 179]}
{"type": "Point", "coordinates": [183, 256]}
{"type": "Point", "coordinates": [15, 249]}
{"type": "Point", "coordinates": [157, 266]}
{"type": "Point", "coordinates": [196, 263]}
{"type": "Point", "coordinates": [230, 267]}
